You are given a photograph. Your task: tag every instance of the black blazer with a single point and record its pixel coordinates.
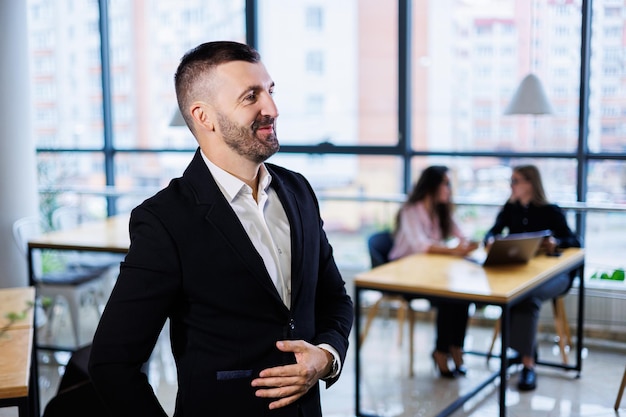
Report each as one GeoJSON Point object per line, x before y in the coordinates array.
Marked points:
{"type": "Point", "coordinates": [519, 219]}
{"type": "Point", "coordinates": [191, 260]}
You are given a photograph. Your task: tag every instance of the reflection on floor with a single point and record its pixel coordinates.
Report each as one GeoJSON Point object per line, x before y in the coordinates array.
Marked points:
{"type": "Point", "coordinates": [388, 391]}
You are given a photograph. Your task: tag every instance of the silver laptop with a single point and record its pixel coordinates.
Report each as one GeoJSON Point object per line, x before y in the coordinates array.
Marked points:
{"type": "Point", "coordinates": [513, 248]}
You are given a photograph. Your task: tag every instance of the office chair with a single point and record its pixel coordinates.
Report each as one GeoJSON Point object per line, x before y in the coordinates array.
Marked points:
{"type": "Point", "coordinates": [76, 396]}
{"type": "Point", "coordinates": [379, 245]}
{"type": "Point", "coordinates": [620, 392]}
{"type": "Point", "coordinates": [74, 284]}
{"type": "Point", "coordinates": [561, 327]}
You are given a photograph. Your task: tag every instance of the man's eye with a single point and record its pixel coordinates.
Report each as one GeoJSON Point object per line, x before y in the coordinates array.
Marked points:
{"type": "Point", "coordinates": [251, 97]}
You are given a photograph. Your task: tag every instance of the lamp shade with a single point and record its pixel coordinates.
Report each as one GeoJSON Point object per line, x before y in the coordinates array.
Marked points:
{"type": "Point", "coordinates": [177, 119]}
{"type": "Point", "coordinates": [530, 98]}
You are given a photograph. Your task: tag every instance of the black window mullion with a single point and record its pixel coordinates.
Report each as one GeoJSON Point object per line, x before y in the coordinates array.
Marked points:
{"type": "Point", "coordinates": [252, 24]}
{"type": "Point", "coordinates": [107, 117]}
{"type": "Point", "coordinates": [404, 87]}
{"type": "Point", "coordinates": [583, 113]}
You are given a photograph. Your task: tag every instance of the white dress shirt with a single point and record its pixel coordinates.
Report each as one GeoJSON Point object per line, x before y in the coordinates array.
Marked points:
{"type": "Point", "coordinates": [267, 226]}
{"type": "Point", "coordinates": [265, 222]}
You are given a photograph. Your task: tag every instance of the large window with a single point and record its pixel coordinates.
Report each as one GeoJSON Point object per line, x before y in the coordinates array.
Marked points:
{"type": "Point", "coordinates": [468, 64]}
{"type": "Point", "coordinates": [368, 95]}
{"type": "Point", "coordinates": [147, 40]}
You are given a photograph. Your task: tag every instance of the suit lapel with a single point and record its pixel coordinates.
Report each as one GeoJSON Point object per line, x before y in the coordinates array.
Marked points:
{"type": "Point", "coordinates": [221, 217]}
{"type": "Point", "coordinates": [292, 209]}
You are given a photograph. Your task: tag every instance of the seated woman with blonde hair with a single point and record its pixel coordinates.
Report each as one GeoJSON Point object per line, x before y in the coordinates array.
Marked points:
{"type": "Point", "coordinates": [528, 210]}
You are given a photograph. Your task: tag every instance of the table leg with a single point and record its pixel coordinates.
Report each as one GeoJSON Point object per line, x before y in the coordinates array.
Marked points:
{"type": "Point", "coordinates": [580, 324]}
{"type": "Point", "coordinates": [33, 381]}
{"type": "Point", "coordinates": [411, 335]}
{"type": "Point", "coordinates": [357, 353]}
{"type": "Point", "coordinates": [505, 322]}
{"type": "Point", "coordinates": [23, 410]}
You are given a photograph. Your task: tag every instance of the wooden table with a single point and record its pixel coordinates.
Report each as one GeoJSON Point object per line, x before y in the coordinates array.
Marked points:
{"type": "Point", "coordinates": [109, 235]}
{"type": "Point", "coordinates": [443, 277]}
{"type": "Point", "coordinates": [18, 375]}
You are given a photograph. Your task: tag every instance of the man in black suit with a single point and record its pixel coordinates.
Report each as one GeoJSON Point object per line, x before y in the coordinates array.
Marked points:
{"type": "Point", "coordinates": [234, 254]}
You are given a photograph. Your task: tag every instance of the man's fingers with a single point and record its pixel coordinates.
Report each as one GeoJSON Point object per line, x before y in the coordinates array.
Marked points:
{"type": "Point", "coordinates": [291, 345]}
{"type": "Point", "coordinates": [285, 394]}
{"type": "Point", "coordinates": [284, 401]}
{"type": "Point", "coordinates": [277, 381]}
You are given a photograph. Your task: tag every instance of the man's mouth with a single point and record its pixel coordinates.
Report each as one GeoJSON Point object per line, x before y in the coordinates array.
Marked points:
{"type": "Point", "coordinates": [263, 127]}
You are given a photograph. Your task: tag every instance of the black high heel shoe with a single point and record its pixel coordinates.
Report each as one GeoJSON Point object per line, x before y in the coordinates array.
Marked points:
{"type": "Point", "coordinates": [457, 357]}
{"type": "Point", "coordinates": [461, 370]}
{"type": "Point", "coordinates": [440, 361]}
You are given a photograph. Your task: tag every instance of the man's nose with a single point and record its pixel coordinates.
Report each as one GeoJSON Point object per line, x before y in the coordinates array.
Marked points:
{"type": "Point", "coordinates": [268, 107]}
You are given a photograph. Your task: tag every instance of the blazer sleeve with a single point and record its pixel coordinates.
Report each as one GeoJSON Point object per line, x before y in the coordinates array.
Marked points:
{"type": "Point", "coordinates": [560, 230]}
{"type": "Point", "coordinates": [133, 318]}
{"type": "Point", "coordinates": [333, 306]}
{"type": "Point", "coordinates": [500, 223]}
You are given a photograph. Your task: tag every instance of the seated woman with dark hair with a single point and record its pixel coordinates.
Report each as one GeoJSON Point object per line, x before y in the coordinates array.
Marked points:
{"type": "Point", "coordinates": [423, 225]}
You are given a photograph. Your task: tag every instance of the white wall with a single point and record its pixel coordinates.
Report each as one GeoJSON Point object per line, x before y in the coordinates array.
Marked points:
{"type": "Point", "coordinates": [18, 172]}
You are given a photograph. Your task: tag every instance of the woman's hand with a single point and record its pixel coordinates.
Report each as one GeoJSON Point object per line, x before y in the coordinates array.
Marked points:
{"type": "Point", "coordinates": [464, 248]}
{"type": "Point", "coordinates": [549, 244]}
{"type": "Point", "coordinates": [489, 242]}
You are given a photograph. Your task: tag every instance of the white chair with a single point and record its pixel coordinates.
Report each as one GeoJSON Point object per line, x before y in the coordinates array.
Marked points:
{"type": "Point", "coordinates": [69, 217]}
{"type": "Point", "coordinates": [73, 284]}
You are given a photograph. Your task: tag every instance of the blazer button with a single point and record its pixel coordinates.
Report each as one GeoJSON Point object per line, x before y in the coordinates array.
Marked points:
{"type": "Point", "coordinates": [292, 324]}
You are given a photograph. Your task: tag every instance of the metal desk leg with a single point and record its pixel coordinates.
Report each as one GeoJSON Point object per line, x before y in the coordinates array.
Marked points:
{"type": "Point", "coordinates": [505, 323]}
{"type": "Point", "coordinates": [581, 315]}
{"type": "Point", "coordinates": [24, 410]}
{"type": "Point", "coordinates": [33, 381]}
{"type": "Point", "coordinates": [33, 389]}
{"type": "Point", "coordinates": [357, 353]}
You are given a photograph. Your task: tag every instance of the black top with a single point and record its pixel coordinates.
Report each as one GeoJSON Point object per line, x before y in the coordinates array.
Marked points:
{"type": "Point", "coordinates": [520, 219]}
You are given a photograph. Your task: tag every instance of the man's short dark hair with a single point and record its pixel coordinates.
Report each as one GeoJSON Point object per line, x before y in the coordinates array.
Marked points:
{"type": "Point", "coordinates": [202, 59]}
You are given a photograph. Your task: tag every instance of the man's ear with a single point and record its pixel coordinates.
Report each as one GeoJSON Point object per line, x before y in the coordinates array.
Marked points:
{"type": "Point", "coordinates": [202, 115]}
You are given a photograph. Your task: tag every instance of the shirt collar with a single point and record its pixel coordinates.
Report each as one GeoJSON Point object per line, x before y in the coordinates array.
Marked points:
{"type": "Point", "coordinates": [231, 185]}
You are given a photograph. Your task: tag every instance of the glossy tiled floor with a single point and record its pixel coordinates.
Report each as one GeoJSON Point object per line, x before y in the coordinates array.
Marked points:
{"type": "Point", "coordinates": [388, 391]}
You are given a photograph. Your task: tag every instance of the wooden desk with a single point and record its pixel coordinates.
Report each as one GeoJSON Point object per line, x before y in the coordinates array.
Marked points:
{"type": "Point", "coordinates": [17, 300]}
{"type": "Point", "coordinates": [109, 235]}
{"type": "Point", "coordinates": [18, 376]}
{"type": "Point", "coordinates": [449, 278]}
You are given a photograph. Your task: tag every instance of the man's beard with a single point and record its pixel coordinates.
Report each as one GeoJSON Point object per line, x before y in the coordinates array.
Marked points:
{"type": "Point", "coordinates": [244, 139]}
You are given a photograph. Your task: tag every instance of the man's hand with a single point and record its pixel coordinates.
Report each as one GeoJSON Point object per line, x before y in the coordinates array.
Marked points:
{"type": "Point", "coordinates": [289, 382]}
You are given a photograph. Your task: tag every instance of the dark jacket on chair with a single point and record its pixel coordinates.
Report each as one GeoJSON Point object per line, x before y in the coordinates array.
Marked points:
{"type": "Point", "coordinates": [191, 260]}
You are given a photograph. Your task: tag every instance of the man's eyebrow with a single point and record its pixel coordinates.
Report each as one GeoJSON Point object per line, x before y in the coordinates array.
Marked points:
{"type": "Point", "coordinates": [254, 88]}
